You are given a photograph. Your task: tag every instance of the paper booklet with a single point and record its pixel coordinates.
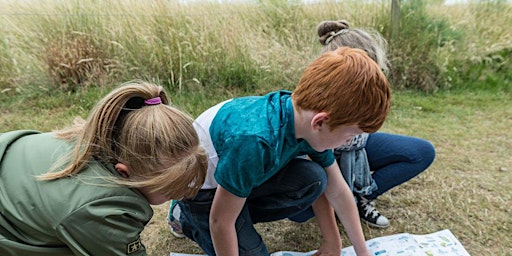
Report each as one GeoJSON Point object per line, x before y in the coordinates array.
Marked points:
{"type": "Point", "coordinates": [440, 243]}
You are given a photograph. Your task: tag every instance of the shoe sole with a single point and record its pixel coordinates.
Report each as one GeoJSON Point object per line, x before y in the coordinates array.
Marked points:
{"type": "Point", "coordinates": [372, 225]}
{"type": "Point", "coordinates": [176, 234]}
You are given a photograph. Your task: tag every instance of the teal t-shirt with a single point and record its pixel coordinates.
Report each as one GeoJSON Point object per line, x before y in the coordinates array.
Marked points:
{"type": "Point", "coordinates": [255, 138]}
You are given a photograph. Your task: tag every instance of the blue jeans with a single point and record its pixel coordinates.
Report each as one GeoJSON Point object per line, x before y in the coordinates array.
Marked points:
{"type": "Point", "coordinates": [288, 194]}
{"type": "Point", "coordinates": [395, 159]}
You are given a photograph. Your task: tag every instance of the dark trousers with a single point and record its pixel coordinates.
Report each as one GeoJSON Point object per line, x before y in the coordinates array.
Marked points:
{"type": "Point", "coordinates": [288, 194]}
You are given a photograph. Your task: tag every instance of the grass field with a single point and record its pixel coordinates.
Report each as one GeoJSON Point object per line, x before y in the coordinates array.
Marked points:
{"type": "Point", "coordinates": [204, 55]}
{"type": "Point", "coordinates": [466, 190]}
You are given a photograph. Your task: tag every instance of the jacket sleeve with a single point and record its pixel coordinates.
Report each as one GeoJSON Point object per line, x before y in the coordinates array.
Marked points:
{"type": "Point", "coordinates": [108, 226]}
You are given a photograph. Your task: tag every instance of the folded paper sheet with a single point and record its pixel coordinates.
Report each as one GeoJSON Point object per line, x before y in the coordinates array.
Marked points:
{"type": "Point", "coordinates": [441, 243]}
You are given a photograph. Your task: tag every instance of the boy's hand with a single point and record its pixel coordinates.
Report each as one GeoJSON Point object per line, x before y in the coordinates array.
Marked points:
{"type": "Point", "coordinates": [328, 249]}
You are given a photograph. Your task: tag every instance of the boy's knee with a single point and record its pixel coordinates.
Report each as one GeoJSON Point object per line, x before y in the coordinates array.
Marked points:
{"type": "Point", "coordinates": [310, 171]}
{"type": "Point", "coordinates": [312, 179]}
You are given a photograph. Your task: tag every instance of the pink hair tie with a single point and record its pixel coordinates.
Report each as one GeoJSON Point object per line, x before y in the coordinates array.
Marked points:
{"type": "Point", "coordinates": [153, 101]}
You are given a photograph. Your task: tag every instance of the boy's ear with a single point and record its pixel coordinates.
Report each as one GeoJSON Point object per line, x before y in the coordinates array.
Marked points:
{"type": "Point", "coordinates": [122, 169]}
{"type": "Point", "coordinates": [319, 119]}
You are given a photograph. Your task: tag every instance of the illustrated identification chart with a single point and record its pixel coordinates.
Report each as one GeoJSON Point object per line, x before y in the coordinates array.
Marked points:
{"type": "Point", "coordinates": [441, 243]}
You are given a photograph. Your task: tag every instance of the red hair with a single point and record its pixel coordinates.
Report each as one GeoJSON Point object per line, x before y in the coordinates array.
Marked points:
{"type": "Point", "coordinates": [349, 86]}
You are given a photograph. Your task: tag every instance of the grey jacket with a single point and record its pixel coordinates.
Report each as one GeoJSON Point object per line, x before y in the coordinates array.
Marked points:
{"type": "Point", "coordinates": [354, 166]}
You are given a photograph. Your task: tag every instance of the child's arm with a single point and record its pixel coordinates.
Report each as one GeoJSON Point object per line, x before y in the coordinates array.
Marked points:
{"type": "Point", "coordinates": [225, 209]}
{"type": "Point", "coordinates": [342, 200]}
{"type": "Point", "coordinates": [331, 239]}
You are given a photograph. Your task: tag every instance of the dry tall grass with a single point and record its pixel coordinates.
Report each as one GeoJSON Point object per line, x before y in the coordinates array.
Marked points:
{"type": "Point", "coordinates": [78, 43]}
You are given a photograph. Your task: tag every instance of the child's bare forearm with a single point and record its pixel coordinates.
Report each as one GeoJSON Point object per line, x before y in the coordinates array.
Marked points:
{"type": "Point", "coordinates": [331, 239]}
{"type": "Point", "coordinates": [342, 200]}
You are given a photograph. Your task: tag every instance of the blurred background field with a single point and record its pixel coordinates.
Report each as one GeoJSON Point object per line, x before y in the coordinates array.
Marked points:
{"type": "Point", "coordinates": [450, 71]}
{"type": "Point", "coordinates": [250, 46]}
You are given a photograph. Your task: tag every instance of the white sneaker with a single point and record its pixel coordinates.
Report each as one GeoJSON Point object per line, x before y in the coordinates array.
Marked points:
{"type": "Point", "coordinates": [369, 214]}
{"type": "Point", "coordinates": [173, 219]}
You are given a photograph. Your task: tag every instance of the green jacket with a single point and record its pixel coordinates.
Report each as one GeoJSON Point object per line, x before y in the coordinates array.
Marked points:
{"type": "Point", "coordinates": [79, 215]}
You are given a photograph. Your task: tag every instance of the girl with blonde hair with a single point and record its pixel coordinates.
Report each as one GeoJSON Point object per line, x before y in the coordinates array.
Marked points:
{"type": "Point", "coordinates": [87, 189]}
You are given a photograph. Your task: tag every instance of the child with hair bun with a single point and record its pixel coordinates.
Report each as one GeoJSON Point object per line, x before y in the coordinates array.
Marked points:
{"type": "Point", "coordinates": [389, 159]}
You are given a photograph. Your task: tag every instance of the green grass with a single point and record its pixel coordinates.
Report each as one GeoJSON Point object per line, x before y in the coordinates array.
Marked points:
{"type": "Point", "coordinates": [465, 190]}
{"type": "Point", "coordinates": [204, 54]}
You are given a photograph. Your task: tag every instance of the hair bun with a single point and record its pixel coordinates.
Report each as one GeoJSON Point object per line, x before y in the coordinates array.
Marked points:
{"type": "Point", "coordinates": [327, 28]}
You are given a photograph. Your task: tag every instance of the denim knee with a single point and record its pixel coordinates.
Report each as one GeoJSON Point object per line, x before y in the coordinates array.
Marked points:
{"type": "Point", "coordinates": [292, 191]}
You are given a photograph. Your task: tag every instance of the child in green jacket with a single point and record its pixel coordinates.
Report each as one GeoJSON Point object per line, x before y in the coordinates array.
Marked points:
{"type": "Point", "coordinates": [87, 189]}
